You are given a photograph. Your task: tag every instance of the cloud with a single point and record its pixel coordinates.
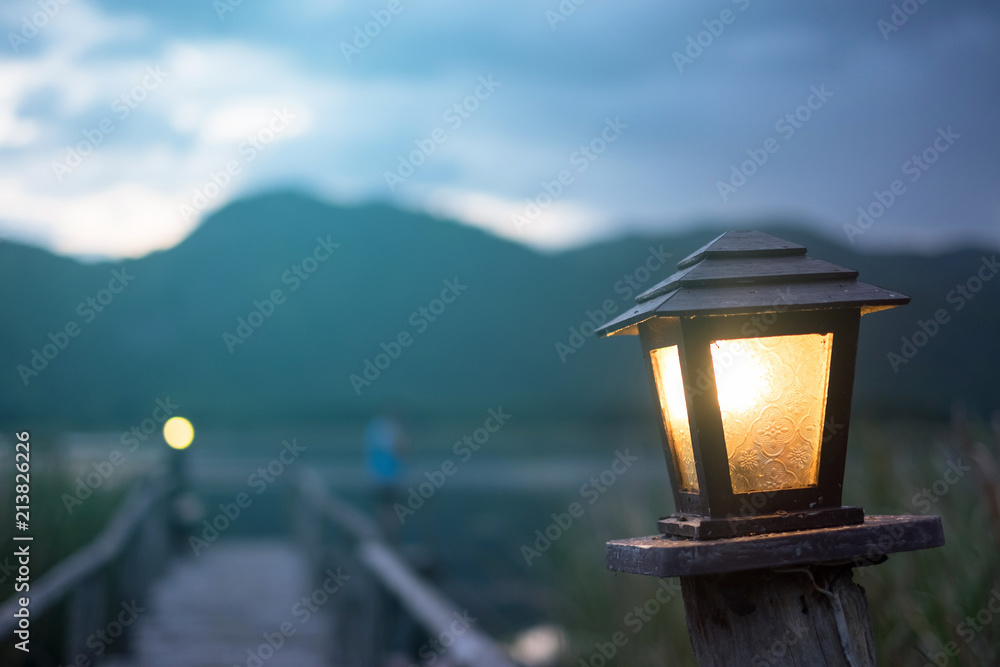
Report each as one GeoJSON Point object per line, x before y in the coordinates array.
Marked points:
{"type": "Point", "coordinates": [125, 220]}
{"type": "Point", "coordinates": [352, 122]}
{"type": "Point", "coordinates": [16, 132]}
{"type": "Point", "coordinates": [112, 169]}
{"type": "Point", "coordinates": [556, 225]}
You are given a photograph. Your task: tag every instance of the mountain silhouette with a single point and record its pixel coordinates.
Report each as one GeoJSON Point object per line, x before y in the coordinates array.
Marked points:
{"type": "Point", "coordinates": [284, 309]}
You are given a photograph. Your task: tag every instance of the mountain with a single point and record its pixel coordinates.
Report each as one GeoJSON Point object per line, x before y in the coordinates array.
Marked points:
{"type": "Point", "coordinates": [495, 329]}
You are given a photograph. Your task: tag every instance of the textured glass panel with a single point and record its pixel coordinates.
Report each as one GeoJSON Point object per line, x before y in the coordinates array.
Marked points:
{"type": "Point", "coordinates": [670, 388]}
{"type": "Point", "coordinates": [772, 394]}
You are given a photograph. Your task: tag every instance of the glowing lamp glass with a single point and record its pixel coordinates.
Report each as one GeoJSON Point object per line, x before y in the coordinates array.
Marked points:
{"type": "Point", "coordinates": [772, 399]}
{"type": "Point", "coordinates": [670, 389]}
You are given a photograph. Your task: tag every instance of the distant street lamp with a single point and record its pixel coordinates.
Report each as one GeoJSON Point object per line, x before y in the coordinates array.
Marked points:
{"type": "Point", "coordinates": [751, 350]}
{"type": "Point", "coordinates": [186, 509]}
{"type": "Point", "coordinates": [178, 432]}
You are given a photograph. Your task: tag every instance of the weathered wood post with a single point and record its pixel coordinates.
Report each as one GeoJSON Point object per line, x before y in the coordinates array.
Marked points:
{"type": "Point", "coordinates": [751, 350]}
{"type": "Point", "coordinates": [778, 598]}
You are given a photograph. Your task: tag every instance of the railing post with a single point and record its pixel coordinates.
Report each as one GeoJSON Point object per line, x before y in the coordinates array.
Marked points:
{"type": "Point", "coordinates": [307, 525]}
{"type": "Point", "coordinates": [356, 627]}
{"type": "Point", "coordinates": [381, 588]}
{"type": "Point", "coordinates": [139, 562]}
{"type": "Point", "coordinates": [86, 612]}
{"type": "Point", "coordinates": [81, 585]}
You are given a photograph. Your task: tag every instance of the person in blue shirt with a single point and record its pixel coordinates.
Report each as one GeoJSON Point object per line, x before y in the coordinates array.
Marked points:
{"type": "Point", "coordinates": [385, 445]}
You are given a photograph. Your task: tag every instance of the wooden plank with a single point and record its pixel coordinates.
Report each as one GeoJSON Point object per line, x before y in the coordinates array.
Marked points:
{"type": "Point", "coordinates": [767, 271]}
{"type": "Point", "coordinates": [704, 528]}
{"type": "Point", "coordinates": [625, 323]}
{"type": "Point", "coordinates": [671, 283]}
{"type": "Point", "coordinates": [752, 299]}
{"type": "Point", "coordinates": [797, 296]}
{"type": "Point", "coordinates": [219, 608]}
{"type": "Point", "coordinates": [880, 535]}
{"type": "Point", "coordinates": [743, 244]}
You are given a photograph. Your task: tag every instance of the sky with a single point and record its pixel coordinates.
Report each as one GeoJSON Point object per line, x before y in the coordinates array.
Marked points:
{"type": "Point", "coordinates": [555, 123]}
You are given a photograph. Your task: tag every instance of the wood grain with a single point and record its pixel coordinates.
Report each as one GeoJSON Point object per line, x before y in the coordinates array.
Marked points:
{"type": "Point", "coordinates": [660, 556]}
{"type": "Point", "coordinates": [817, 617]}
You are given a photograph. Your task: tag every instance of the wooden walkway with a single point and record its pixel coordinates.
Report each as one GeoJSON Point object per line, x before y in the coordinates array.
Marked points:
{"type": "Point", "coordinates": [250, 603]}
{"type": "Point", "coordinates": [215, 609]}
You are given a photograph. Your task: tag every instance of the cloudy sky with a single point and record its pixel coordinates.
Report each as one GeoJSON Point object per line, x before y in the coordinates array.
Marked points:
{"type": "Point", "coordinates": [123, 124]}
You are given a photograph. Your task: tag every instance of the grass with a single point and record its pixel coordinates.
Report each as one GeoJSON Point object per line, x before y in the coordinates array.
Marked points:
{"type": "Point", "coordinates": [56, 532]}
{"type": "Point", "coordinates": [919, 601]}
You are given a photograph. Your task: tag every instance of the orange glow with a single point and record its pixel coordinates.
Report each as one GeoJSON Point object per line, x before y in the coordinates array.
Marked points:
{"type": "Point", "coordinates": [670, 388]}
{"type": "Point", "coordinates": [772, 396]}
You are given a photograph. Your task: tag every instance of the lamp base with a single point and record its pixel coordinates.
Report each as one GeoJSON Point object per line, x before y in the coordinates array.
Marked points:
{"type": "Point", "coordinates": [878, 536]}
{"type": "Point", "coordinates": [705, 528]}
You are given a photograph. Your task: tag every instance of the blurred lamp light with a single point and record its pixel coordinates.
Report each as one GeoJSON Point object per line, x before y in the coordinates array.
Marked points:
{"type": "Point", "coordinates": [178, 432]}
{"type": "Point", "coordinates": [751, 348]}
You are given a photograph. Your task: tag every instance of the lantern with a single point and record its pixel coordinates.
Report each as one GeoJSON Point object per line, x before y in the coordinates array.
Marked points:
{"type": "Point", "coordinates": [751, 350]}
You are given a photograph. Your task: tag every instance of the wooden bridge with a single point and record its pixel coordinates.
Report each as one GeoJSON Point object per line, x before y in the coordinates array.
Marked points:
{"type": "Point", "coordinates": [335, 593]}
{"type": "Point", "coordinates": [227, 606]}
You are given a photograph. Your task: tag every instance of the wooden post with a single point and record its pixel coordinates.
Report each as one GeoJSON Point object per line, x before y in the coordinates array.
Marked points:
{"type": "Point", "coordinates": [813, 616]}
{"type": "Point", "coordinates": [379, 574]}
{"type": "Point", "coordinates": [779, 598]}
{"type": "Point", "coordinates": [86, 611]}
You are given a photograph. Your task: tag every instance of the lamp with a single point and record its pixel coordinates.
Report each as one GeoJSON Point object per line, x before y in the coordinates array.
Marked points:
{"type": "Point", "coordinates": [751, 350]}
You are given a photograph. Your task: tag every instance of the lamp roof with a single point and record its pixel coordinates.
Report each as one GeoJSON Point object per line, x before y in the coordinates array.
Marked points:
{"type": "Point", "coordinates": [752, 272]}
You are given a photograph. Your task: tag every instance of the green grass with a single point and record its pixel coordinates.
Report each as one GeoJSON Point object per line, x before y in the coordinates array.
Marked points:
{"type": "Point", "coordinates": [56, 532]}
{"type": "Point", "coordinates": [918, 600]}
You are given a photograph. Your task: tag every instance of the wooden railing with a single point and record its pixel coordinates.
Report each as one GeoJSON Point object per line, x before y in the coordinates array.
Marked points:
{"type": "Point", "coordinates": [377, 609]}
{"type": "Point", "coordinates": [114, 569]}
{"type": "Point", "coordinates": [383, 593]}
